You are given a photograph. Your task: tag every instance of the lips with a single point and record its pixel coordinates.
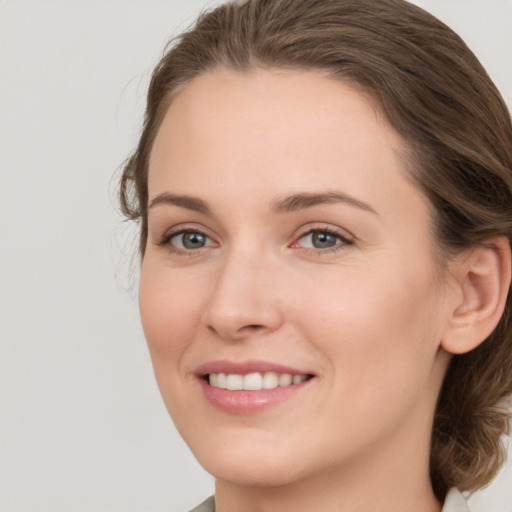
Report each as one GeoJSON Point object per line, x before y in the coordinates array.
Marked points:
{"type": "Point", "coordinates": [251, 386]}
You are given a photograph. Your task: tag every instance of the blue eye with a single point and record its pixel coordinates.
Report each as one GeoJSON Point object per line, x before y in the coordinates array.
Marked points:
{"type": "Point", "coordinates": [188, 240]}
{"type": "Point", "coordinates": [322, 239]}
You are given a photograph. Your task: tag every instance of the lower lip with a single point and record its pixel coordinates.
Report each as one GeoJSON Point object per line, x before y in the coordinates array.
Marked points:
{"type": "Point", "coordinates": [250, 402]}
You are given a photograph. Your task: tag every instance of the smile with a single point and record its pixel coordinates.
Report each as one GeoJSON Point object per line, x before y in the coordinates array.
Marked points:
{"type": "Point", "coordinates": [254, 381]}
{"type": "Point", "coordinates": [250, 387]}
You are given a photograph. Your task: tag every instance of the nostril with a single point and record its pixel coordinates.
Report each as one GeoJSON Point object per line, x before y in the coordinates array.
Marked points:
{"type": "Point", "coordinates": [252, 327]}
{"type": "Point", "coordinates": [237, 332]}
{"type": "Point", "coordinates": [249, 327]}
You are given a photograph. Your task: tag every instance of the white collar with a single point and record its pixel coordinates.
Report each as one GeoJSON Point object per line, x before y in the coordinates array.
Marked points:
{"type": "Point", "coordinates": [455, 502]}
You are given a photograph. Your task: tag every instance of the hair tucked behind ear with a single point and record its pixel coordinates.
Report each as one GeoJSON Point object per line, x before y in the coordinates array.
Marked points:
{"type": "Point", "coordinates": [437, 96]}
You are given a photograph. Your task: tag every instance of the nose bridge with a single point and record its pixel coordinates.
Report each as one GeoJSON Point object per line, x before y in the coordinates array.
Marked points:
{"type": "Point", "coordinates": [244, 299]}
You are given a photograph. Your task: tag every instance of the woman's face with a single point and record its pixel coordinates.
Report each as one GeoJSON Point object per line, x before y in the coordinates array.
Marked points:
{"type": "Point", "coordinates": [287, 244]}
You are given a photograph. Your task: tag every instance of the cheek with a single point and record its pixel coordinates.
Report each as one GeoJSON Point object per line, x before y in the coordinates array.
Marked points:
{"type": "Point", "coordinates": [377, 329]}
{"type": "Point", "coordinates": [169, 314]}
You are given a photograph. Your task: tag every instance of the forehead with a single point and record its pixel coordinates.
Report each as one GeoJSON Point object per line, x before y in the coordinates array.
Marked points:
{"type": "Point", "coordinates": [285, 130]}
{"type": "Point", "coordinates": [258, 98]}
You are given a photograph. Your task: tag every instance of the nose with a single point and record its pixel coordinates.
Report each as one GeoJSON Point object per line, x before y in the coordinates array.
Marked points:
{"type": "Point", "coordinates": [245, 299]}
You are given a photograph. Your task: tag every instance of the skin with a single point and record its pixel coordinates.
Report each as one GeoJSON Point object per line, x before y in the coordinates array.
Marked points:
{"type": "Point", "coordinates": [366, 316]}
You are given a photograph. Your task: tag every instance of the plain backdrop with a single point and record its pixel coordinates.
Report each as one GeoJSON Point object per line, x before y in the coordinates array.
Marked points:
{"type": "Point", "coordinates": [82, 425]}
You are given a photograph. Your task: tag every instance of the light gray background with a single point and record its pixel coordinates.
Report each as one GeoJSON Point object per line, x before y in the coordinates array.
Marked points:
{"type": "Point", "coordinates": [82, 426]}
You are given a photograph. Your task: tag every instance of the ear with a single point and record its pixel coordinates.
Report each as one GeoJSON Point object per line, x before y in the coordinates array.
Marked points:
{"type": "Point", "coordinates": [483, 281]}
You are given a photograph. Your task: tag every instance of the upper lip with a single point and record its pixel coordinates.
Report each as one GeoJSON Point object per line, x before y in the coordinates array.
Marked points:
{"type": "Point", "coordinates": [245, 367]}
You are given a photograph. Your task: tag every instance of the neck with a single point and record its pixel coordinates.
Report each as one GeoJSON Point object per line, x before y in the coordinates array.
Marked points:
{"type": "Point", "coordinates": [329, 495]}
{"type": "Point", "coordinates": [334, 492]}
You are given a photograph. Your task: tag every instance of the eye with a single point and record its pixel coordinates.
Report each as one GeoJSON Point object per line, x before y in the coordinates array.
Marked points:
{"type": "Point", "coordinates": [187, 240]}
{"type": "Point", "coordinates": [322, 239]}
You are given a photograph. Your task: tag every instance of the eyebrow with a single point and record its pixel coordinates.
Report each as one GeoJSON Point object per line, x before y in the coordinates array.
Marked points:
{"type": "Point", "coordinates": [308, 200]}
{"type": "Point", "coordinates": [287, 204]}
{"type": "Point", "coordinates": [188, 202]}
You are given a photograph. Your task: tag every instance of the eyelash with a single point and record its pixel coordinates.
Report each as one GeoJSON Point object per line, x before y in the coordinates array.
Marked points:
{"type": "Point", "coordinates": [343, 241]}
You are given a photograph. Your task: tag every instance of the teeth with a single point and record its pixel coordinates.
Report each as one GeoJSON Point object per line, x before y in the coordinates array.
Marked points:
{"type": "Point", "coordinates": [214, 380]}
{"type": "Point", "coordinates": [270, 380]}
{"type": "Point", "coordinates": [221, 380]}
{"type": "Point", "coordinates": [285, 379]}
{"type": "Point", "coordinates": [253, 381]}
{"type": "Point", "coordinates": [234, 382]}
{"type": "Point", "coordinates": [297, 379]}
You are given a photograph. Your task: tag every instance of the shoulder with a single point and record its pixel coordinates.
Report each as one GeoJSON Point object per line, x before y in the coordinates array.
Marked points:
{"type": "Point", "coordinates": [455, 502]}
{"type": "Point", "coordinates": [207, 506]}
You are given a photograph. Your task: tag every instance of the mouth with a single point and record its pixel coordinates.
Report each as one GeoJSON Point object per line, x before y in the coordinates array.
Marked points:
{"type": "Point", "coordinates": [250, 387]}
{"type": "Point", "coordinates": [255, 381]}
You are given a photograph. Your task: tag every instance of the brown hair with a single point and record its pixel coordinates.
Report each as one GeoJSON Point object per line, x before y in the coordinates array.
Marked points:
{"type": "Point", "coordinates": [438, 97]}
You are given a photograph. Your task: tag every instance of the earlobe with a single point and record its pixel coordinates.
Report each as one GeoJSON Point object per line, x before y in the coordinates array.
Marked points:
{"type": "Point", "coordinates": [483, 278]}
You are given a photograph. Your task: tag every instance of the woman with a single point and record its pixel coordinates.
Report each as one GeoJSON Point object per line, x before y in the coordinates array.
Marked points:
{"type": "Point", "coordinates": [325, 198]}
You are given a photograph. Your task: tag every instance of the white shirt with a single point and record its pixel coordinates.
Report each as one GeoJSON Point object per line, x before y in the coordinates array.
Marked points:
{"type": "Point", "coordinates": [454, 502]}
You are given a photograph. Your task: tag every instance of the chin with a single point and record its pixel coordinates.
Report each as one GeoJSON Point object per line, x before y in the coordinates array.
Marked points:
{"type": "Point", "coordinates": [254, 473]}
{"type": "Point", "coordinates": [252, 463]}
